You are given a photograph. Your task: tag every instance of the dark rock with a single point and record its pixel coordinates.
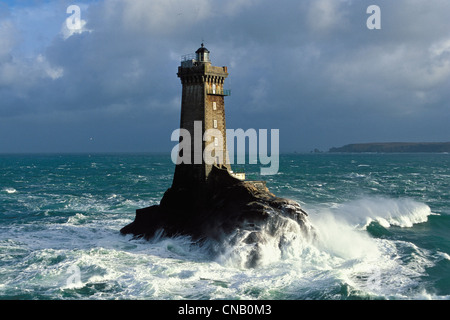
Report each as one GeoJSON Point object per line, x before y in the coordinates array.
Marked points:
{"type": "Point", "coordinates": [216, 209]}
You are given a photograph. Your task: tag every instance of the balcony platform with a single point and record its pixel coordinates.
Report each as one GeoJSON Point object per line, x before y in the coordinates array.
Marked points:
{"type": "Point", "coordinates": [225, 92]}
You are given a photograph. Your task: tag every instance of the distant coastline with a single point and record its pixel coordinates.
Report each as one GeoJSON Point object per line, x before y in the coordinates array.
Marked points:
{"type": "Point", "coordinates": [395, 147]}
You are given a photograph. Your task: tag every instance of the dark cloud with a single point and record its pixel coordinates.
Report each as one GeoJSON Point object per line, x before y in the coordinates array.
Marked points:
{"type": "Point", "coordinates": [310, 68]}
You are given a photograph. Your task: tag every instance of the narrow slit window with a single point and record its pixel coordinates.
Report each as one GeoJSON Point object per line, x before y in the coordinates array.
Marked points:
{"type": "Point", "coordinates": [215, 124]}
{"type": "Point", "coordinates": [216, 142]}
{"type": "Point", "coordinates": [214, 106]}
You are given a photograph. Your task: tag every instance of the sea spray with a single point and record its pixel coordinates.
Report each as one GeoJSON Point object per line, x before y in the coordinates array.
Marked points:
{"type": "Point", "coordinates": [340, 239]}
{"type": "Point", "coordinates": [275, 238]}
{"type": "Point", "coordinates": [335, 248]}
{"type": "Point", "coordinates": [401, 212]}
{"type": "Point", "coordinates": [340, 231]}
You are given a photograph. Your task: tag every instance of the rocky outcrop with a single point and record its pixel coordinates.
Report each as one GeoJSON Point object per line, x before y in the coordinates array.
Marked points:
{"type": "Point", "coordinates": [216, 210]}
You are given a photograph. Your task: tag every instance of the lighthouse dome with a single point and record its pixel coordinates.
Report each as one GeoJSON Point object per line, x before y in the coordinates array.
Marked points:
{"type": "Point", "coordinates": [202, 54]}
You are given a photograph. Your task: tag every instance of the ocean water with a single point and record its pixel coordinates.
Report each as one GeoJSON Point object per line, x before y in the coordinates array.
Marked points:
{"type": "Point", "coordinates": [382, 225]}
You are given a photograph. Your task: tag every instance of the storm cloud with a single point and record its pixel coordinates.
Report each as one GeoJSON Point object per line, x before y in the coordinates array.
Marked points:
{"type": "Point", "coordinates": [311, 69]}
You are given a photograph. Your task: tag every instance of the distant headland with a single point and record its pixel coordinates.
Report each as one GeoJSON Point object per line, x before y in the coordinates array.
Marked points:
{"type": "Point", "coordinates": [395, 147]}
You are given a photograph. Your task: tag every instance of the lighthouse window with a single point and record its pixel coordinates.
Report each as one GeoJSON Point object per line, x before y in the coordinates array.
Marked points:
{"type": "Point", "coordinates": [215, 123]}
{"type": "Point", "coordinates": [214, 88]}
{"type": "Point", "coordinates": [214, 106]}
{"type": "Point", "coordinates": [216, 142]}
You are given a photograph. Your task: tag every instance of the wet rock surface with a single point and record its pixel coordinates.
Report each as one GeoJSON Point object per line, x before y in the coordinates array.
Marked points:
{"type": "Point", "coordinates": [224, 208]}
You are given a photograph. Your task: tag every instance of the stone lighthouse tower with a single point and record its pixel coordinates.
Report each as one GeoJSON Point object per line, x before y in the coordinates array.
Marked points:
{"type": "Point", "coordinates": [202, 111]}
{"type": "Point", "coordinates": [206, 199]}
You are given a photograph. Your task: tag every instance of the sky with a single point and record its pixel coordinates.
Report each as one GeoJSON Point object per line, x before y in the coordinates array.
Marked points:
{"type": "Point", "coordinates": [310, 68]}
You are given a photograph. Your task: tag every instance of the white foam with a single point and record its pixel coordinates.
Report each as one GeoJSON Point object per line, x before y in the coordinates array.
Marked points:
{"type": "Point", "coordinates": [339, 238]}
{"type": "Point", "coordinates": [78, 218]}
{"type": "Point", "coordinates": [371, 266]}
{"type": "Point", "coordinates": [10, 190]}
{"type": "Point", "coordinates": [341, 253]}
{"type": "Point", "coordinates": [279, 238]}
{"type": "Point", "coordinates": [113, 266]}
{"type": "Point", "coordinates": [424, 295]}
{"type": "Point", "coordinates": [444, 255]}
{"type": "Point", "coordinates": [402, 212]}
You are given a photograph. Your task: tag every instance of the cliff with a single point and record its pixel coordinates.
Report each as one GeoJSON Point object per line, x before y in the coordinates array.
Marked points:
{"type": "Point", "coordinates": [391, 147]}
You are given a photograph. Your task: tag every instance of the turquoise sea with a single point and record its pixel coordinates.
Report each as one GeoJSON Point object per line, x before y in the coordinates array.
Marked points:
{"type": "Point", "coordinates": [382, 225]}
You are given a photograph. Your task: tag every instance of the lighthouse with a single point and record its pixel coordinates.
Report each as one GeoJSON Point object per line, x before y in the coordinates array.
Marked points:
{"type": "Point", "coordinates": [207, 200]}
{"type": "Point", "coordinates": [203, 117]}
